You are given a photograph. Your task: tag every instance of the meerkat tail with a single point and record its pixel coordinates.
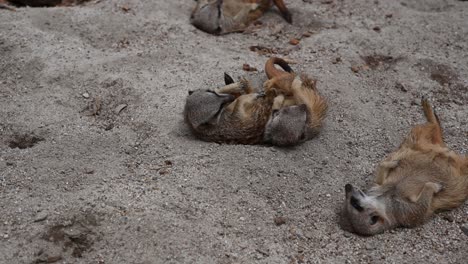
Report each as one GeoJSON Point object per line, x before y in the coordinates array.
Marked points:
{"type": "Point", "coordinates": [283, 10]}
{"type": "Point", "coordinates": [270, 69]}
{"type": "Point", "coordinates": [430, 114]}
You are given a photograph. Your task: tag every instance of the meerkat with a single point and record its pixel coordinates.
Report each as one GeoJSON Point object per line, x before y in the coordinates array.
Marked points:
{"type": "Point", "coordinates": [35, 3]}
{"type": "Point", "coordinates": [298, 110]}
{"type": "Point", "coordinates": [5, 5]}
{"type": "Point", "coordinates": [234, 113]}
{"type": "Point", "coordinates": [226, 16]}
{"type": "Point", "coordinates": [420, 178]}
{"type": "Point", "coordinates": [44, 3]}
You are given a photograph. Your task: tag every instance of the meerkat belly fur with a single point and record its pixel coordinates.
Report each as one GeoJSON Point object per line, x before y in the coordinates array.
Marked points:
{"type": "Point", "coordinates": [422, 177]}
{"type": "Point", "coordinates": [226, 16]}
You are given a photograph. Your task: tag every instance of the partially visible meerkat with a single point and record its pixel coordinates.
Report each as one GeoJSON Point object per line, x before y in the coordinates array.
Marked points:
{"type": "Point", "coordinates": [298, 111]}
{"type": "Point", "coordinates": [234, 113]}
{"type": "Point", "coordinates": [44, 3]}
{"type": "Point", "coordinates": [226, 16]}
{"type": "Point", "coordinates": [420, 178]}
{"type": "Point", "coordinates": [5, 5]}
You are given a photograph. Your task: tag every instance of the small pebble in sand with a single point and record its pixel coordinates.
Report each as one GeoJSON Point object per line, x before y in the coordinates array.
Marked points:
{"type": "Point", "coordinates": [355, 68]}
{"type": "Point", "coordinates": [448, 218]}
{"type": "Point", "coordinates": [53, 259]}
{"type": "Point", "coordinates": [247, 67]}
{"type": "Point", "coordinates": [41, 216]}
{"type": "Point", "coordinates": [401, 86]}
{"type": "Point", "coordinates": [294, 41]}
{"type": "Point", "coordinates": [336, 60]}
{"type": "Point", "coordinates": [279, 220]}
{"type": "Point", "coordinates": [119, 108]}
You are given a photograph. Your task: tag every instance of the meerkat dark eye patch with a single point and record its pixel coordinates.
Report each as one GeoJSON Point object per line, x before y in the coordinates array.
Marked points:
{"type": "Point", "coordinates": [355, 203]}
{"type": "Point", "coordinates": [374, 219]}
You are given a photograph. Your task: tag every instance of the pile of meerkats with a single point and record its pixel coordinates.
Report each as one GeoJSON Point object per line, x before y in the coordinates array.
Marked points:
{"type": "Point", "coordinates": [420, 178]}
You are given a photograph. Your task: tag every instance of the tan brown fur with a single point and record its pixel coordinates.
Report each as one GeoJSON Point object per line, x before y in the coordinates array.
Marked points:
{"type": "Point", "coordinates": [226, 16]}
{"type": "Point", "coordinates": [422, 177]}
{"type": "Point", "coordinates": [248, 118]}
{"type": "Point", "coordinates": [44, 3]}
{"type": "Point", "coordinates": [241, 121]}
{"type": "Point", "coordinates": [286, 127]}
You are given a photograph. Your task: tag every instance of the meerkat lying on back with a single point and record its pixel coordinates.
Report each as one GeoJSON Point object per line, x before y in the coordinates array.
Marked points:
{"type": "Point", "coordinates": [225, 16]}
{"type": "Point", "coordinates": [298, 111]}
{"type": "Point", "coordinates": [422, 177]}
{"type": "Point", "coordinates": [234, 113]}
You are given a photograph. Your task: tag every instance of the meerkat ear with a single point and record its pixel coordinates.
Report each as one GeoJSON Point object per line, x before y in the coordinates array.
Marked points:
{"type": "Point", "coordinates": [228, 79]}
{"type": "Point", "coordinates": [384, 169]}
{"type": "Point", "coordinates": [190, 92]}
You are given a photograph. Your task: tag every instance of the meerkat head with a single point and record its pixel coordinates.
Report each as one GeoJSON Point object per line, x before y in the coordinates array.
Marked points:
{"type": "Point", "coordinates": [363, 214]}
{"type": "Point", "coordinates": [287, 126]}
{"type": "Point", "coordinates": [206, 16]}
{"type": "Point", "coordinates": [202, 106]}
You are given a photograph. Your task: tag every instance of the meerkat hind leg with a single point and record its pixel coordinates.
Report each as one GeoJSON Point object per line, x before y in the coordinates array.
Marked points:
{"type": "Point", "coordinates": [230, 88]}
{"type": "Point", "coordinates": [281, 83]}
{"type": "Point", "coordinates": [234, 88]}
{"type": "Point", "coordinates": [278, 102]}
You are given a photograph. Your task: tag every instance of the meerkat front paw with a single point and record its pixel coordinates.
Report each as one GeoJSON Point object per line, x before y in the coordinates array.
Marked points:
{"type": "Point", "coordinates": [271, 92]}
{"type": "Point", "coordinates": [267, 85]}
{"type": "Point", "coordinates": [245, 86]}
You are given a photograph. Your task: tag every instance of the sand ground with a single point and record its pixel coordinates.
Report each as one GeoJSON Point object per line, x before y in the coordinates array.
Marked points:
{"type": "Point", "coordinates": [132, 185]}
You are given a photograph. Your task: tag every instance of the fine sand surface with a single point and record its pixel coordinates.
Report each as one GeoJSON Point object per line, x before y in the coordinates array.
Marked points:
{"type": "Point", "coordinates": [96, 165]}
